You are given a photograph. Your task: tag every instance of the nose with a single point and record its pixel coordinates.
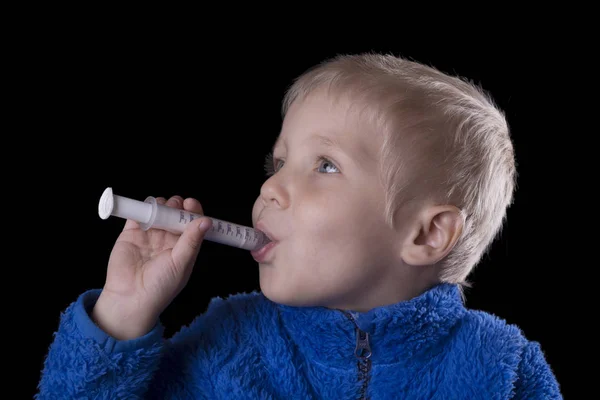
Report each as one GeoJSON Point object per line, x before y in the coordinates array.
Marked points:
{"type": "Point", "coordinates": [274, 194]}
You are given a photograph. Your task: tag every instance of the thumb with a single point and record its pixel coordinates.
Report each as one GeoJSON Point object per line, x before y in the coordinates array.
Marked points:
{"type": "Point", "coordinates": [188, 245]}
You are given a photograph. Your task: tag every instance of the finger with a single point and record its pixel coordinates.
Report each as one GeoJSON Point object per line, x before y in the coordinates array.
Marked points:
{"type": "Point", "coordinates": [175, 202]}
{"type": "Point", "coordinates": [130, 224]}
{"type": "Point", "coordinates": [188, 245]}
{"type": "Point", "coordinates": [193, 205]}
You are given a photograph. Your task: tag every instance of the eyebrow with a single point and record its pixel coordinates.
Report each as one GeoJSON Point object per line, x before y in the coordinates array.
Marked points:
{"type": "Point", "coordinates": [322, 140]}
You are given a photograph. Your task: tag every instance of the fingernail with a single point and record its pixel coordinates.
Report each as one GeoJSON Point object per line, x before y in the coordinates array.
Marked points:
{"type": "Point", "coordinates": [203, 224]}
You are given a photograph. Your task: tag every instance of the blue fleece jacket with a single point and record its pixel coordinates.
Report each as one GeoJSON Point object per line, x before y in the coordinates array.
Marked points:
{"type": "Point", "coordinates": [247, 347]}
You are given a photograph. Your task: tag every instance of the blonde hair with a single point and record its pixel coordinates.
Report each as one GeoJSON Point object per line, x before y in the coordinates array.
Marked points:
{"type": "Point", "coordinates": [444, 139]}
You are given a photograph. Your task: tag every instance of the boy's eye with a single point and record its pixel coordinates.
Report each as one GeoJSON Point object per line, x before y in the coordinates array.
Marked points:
{"type": "Point", "coordinates": [271, 164]}
{"type": "Point", "coordinates": [326, 163]}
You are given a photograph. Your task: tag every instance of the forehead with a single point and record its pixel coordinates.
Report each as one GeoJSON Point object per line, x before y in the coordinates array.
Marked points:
{"type": "Point", "coordinates": [330, 121]}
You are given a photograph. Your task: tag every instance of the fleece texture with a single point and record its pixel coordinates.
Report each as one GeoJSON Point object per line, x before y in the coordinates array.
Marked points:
{"type": "Point", "coordinates": [248, 347]}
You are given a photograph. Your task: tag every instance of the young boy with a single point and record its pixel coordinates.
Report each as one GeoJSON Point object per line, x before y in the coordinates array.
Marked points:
{"type": "Point", "coordinates": [388, 182]}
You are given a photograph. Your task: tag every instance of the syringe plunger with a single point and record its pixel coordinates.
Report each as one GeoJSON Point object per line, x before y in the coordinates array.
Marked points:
{"type": "Point", "coordinates": [149, 214]}
{"type": "Point", "coordinates": [127, 208]}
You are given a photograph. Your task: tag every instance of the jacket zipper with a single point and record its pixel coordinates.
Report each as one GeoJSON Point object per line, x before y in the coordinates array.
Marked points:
{"type": "Point", "coordinates": [363, 353]}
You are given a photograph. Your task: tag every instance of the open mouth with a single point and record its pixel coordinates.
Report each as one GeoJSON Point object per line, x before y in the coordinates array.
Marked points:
{"type": "Point", "coordinates": [267, 235]}
{"type": "Point", "coordinates": [264, 249]}
{"type": "Point", "coordinates": [263, 239]}
{"type": "Point", "coordinates": [264, 252]}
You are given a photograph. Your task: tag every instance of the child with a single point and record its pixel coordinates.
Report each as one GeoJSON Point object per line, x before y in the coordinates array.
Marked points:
{"type": "Point", "coordinates": [388, 183]}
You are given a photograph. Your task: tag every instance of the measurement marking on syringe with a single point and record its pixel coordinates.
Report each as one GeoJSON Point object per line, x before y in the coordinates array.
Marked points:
{"type": "Point", "coordinates": [184, 219]}
{"type": "Point", "coordinates": [218, 227]}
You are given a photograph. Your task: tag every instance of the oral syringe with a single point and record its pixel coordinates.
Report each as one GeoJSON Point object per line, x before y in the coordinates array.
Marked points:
{"type": "Point", "coordinates": [150, 214]}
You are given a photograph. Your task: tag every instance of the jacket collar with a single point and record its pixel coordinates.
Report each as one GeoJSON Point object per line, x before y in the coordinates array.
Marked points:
{"type": "Point", "coordinates": [397, 333]}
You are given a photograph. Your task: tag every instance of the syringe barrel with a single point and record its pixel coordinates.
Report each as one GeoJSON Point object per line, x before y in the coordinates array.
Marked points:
{"type": "Point", "coordinates": [175, 220]}
{"type": "Point", "coordinates": [149, 214]}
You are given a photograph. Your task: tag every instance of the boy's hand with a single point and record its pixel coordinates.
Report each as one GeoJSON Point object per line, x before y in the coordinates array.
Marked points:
{"type": "Point", "coordinates": [146, 271]}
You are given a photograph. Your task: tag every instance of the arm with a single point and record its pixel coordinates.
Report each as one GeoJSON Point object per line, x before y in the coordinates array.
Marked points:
{"type": "Point", "coordinates": [535, 378]}
{"type": "Point", "coordinates": [84, 361]}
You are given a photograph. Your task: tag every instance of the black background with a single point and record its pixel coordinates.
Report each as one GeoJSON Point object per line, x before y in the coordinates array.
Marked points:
{"type": "Point", "coordinates": [156, 111]}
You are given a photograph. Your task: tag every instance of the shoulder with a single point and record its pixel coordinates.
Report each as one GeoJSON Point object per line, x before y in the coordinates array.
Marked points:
{"type": "Point", "coordinates": [492, 326]}
{"type": "Point", "coordinates": [491, 343]}
{"type": "Point", "coordinates": [483, 332]}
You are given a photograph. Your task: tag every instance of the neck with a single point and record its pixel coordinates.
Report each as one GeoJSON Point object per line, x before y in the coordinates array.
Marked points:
{"type": "Point", "coordinates": [402, 285]}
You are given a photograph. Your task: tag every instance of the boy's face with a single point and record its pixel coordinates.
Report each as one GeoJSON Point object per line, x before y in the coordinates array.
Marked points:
{"type": "Point", "coordinates": [333, 248]}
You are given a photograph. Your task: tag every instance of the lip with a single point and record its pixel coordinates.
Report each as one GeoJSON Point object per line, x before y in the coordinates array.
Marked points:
{"type": "Point", "coordinates": [261, 254]}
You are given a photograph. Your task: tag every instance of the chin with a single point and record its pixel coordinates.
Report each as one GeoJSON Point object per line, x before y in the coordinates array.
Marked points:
{"type": "Point", "coordinates": [287, 296]}
{"type": "Point", "coordinates": [276, 296]}
{"type": "Point", "coordinates": [279, 294]}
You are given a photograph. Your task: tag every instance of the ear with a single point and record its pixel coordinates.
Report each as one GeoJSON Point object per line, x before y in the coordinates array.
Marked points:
{"type": "Point", "coordinates": [436, 231]}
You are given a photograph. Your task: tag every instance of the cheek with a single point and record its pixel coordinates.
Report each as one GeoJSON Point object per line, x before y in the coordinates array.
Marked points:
{"type": "Point", "coordinates": [319, 218]}
{"type": "Point", "coordinates": [341, 232]}
{"type": "Point", "coordinates": [330, 224]}
{"type": "Point", "coordinates": [255, 209]}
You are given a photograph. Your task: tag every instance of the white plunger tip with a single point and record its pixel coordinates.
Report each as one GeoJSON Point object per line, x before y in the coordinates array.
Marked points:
{"type": "Point", "coordinates": [106, 204]}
